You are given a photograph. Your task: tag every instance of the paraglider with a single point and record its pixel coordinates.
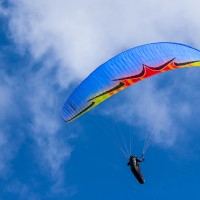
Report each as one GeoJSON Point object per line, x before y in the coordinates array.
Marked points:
{"type": "Point", "coordinates": [135, 168]}
{"type": "Point", "coordinates": [126, 69]}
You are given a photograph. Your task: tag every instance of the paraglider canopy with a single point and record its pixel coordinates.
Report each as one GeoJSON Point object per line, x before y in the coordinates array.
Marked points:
{"type": "Point", "coordinates": [126, 69]}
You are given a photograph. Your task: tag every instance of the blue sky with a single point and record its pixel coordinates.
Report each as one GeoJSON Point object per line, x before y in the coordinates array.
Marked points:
{"type": "Point", "coordinates": [46, 49]}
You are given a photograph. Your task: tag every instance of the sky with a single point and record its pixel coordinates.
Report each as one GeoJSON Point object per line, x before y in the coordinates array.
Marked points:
{"type": "Point", "coordinates": [46, 49]}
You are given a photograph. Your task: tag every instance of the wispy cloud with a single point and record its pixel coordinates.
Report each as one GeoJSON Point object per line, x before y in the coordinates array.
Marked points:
{"type": "Point", "coordinates": [6, 97]}
{"type": "Point", "coordinates": [23, 190]}
{"type": "Point", "coordinates": [6, 154]}
{"type": "Point", "coordinates": [44, 102]}
{"type": "Point", "coordinates": [8, 110]}
{"type": "Point", "coordinates": [83, 35]}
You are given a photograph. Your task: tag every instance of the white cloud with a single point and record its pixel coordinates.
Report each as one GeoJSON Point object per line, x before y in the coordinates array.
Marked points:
{"type": "Point", "coordinates": [43, 101]}
{"type": "Point", "coordinates": [83, 34]}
